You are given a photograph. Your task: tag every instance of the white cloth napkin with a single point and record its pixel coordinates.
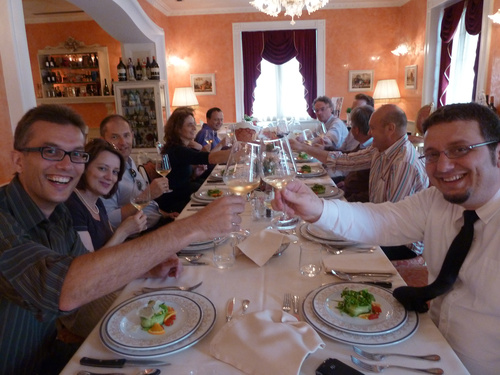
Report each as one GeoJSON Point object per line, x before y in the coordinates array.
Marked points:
{"type": "Point", "coordinates": [261, 246]}
{"type": "Point", "coordinates": [265, 342]}
{"type": "Point", "coordinates": [361, 262]}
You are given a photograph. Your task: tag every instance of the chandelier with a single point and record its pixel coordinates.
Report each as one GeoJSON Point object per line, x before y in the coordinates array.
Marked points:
{"type": "Point", "coordinates": [293, 8]}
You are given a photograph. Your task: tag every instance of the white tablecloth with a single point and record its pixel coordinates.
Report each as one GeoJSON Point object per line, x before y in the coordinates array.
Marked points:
{"type": "Point", "coordinates": [264, 287]}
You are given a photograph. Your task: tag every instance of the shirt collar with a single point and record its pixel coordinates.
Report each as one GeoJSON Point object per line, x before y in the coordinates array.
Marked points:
{"type": "Point", "coordinates": [396, 146]}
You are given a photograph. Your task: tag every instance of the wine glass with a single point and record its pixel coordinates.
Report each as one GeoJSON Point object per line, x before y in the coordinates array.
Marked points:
{"type": "Point", "coordinates": [282, 129]}
{"type": "Point", "coordinates": [242, 168]}
{"type": "Point", "coordinates": [163, 167]}
{"type": "Point", "coordinates": [209, 137]}
{"type": "Point", "coordinates": [277, 168]}
{"type": "Point", "coordinates": [141, 194]}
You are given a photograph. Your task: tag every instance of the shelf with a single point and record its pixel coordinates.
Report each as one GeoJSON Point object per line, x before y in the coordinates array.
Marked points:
{"type": "Point", "coordinates": [76, 100]}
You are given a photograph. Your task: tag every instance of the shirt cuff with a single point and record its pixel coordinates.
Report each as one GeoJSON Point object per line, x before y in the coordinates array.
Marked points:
{"type": "Point", "coordinates": [329, 215]}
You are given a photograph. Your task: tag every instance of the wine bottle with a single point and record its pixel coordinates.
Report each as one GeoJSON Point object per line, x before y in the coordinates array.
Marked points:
{"type": "Point", "coordinates": [130, 70]}
{"type": "Point", "coordinates": [96, 60]}
{"type": "Point", "coordinates": [47, 62]}
{"type": "Point", "coordinates": [148, 68]}
{"type": "Point", "coordinates": [138, 70]}
{"type": "Point", "coordinates": [112, 87]}
{"type": "Point", "coordinates": [122, 71]}
{"type": "Point", "coordinates": [492, 104]}
{"type": "Point", "coordinates": [106, 88]}
{"type": "Point", "coordinates": [155, 70]}
{"type": "Point", "coordinates": [144, 71]}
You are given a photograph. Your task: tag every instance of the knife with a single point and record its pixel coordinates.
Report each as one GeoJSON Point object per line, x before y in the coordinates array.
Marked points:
{"type": "Point", "coordinates": [229, 309]}
{"type": "Point", "coordinates": [119, 363]}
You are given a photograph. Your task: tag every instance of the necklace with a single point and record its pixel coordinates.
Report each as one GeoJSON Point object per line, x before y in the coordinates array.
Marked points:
{"type": "Point", "coordinates": [94, 210]}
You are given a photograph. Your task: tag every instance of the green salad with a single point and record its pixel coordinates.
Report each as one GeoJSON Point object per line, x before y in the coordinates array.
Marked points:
{"type": "Point", "coordinates": [356, 303]}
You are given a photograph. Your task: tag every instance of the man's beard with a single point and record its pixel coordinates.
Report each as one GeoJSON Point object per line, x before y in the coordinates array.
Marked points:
{"type": "Point", "coordinates": [457, 199]}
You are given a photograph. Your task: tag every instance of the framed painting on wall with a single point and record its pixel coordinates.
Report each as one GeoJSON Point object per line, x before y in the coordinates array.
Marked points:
{"type": "Point", "coordinates": [203, 84]}
{"type": "Point", "coordinates": [360, 80]}
{"type": "Point", "coordinates": [411, 77]}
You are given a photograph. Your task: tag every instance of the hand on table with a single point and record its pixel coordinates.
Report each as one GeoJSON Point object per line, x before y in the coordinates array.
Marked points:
{"type": "Point", "coordinates": [300, 200]}
{"type": "Point", "coordinates": [172, 267]}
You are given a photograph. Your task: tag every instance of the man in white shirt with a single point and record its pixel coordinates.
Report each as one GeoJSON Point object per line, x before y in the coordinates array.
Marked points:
{"type": "Point", "coordinates": [336, 130]}
{"type": "Point", "coordinates": [462, 160]}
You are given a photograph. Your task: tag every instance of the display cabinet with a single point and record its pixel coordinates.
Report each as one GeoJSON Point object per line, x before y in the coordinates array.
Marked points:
{"type": "Point", "coordinates": [144, 105]}
{"type": "Point", "coordinates": [73, 70]}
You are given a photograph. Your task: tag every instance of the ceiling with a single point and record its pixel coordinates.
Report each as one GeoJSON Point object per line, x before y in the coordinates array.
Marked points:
{"type": "Point", "coordinates": [40, 11]}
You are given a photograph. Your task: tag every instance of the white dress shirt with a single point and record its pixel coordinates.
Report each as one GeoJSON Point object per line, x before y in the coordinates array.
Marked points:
{"type": "Point", "coordinates": [336, 132]}
{"type": "Point", "coordinates": [468, 316]}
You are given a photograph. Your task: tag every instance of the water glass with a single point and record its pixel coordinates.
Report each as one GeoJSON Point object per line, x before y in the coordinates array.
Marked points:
{"type": "Point", "coordinates": [310, 260]}
{"type": "Point", "coordinates": [224, 255]}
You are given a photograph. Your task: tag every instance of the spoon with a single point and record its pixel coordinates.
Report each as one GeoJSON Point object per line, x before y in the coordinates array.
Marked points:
{"type": "Point", "coordinates": [335, 251]}
{"type": "Point", "coordinates": [245, 303]}
{"type": "Point", "coordinates": [148, 371]}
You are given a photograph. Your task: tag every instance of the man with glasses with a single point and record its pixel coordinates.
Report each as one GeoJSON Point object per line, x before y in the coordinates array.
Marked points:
{"type": "Point", "coordinates": [45, 270]}
{"type": "Point", "coordinates": [336, 130]}
{"type": "Point", "coordinates": [462, 160]}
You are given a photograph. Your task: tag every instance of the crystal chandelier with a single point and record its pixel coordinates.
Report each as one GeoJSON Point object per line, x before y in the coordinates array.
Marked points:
{"type": "Point", "coordinates": [293, 8]}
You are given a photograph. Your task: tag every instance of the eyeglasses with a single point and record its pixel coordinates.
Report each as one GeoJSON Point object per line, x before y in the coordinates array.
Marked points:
{"type": "Point", "coordinates": [58, 154]}
{"type": "Point", "coordinates": [454, 152]}
{"type": "Point", "coordinates": [322, 109]}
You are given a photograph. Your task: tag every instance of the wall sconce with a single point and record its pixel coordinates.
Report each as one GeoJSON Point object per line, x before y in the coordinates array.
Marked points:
{"type": "Point", "coordinates": [387, 90]}
{"type": "Point", "coordinates": [401, 50]}
{"type": "Point", "coordinates": [184, 97]}
{"type": "Point", "coordinates": [495, 17]}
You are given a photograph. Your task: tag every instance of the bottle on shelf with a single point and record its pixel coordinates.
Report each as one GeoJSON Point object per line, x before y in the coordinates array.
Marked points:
{"type": "Point", "coordinates": [155, 70]}
{"type": "Point", "coordinates": [52, 62]}
{"type": "Point", "coordinates": [106, 88]}
{"type": "Point", "coordinates": [122, 71]}
{"type": "Point", "coordinates": [491, 104]}
{"type": "Point", "coordinates": [130, 70]}
{"type": "Point", "coordinates": [96, 60]}
{"type": "Point", "coordinates": [144, 71]}
{"type": "Point", "coordinates": [482, 98]}
{"type": "Point", "coordinates": [148, 68]}
{"type": "Point", "coordinates": [47, 62]}
{"type": "Point", "coordinates": [138, 70]}
{"type": "Point", "coordinates": [112, 87]}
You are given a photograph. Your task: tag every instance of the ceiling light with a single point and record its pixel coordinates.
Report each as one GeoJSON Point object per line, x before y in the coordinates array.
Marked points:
{"type": "Point", "coordinates": [293, 8]}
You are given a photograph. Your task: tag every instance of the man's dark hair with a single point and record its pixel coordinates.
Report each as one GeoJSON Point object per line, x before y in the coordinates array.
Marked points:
{"type": "Point", "coordinates": [94, 148]}
{"type": "Point", "coordinates": [360, 118]}
{"type": "Point", "coordinates": [489, 122]}
{"type": "Point", "coordinates": [57, 114]}
{"type": "Point", "coordinates": [107, 119]}
{"type": "Point", "coordinates": [324, 99]}
{"type": "Point", "coordinates": [212, 110]}
{"type": "Point", "coordinates": [367, 98]}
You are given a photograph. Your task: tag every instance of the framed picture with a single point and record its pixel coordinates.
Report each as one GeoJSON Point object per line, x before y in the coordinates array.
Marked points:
{"type": "Point", "coordinates": [411, 77]}
{"type": "Point", "coordinates": [203, 84]}
{"type": "Point", "coordinates": [360, 80]}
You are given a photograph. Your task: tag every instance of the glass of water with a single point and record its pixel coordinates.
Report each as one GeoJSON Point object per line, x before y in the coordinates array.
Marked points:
{"type": "Point", "coordinates": [310, 260]}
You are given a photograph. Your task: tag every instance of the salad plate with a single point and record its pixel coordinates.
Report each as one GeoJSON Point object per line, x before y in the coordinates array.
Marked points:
{"type": "Point", "coordinates": [202, 194]}
{"type": "Point", "coordinates": [305, 159]}
{"type": "Point", "coordinates": [123, 324]}
{"type": "Point", "coordinates": [407, 329]}
{"type": "Point", "coordinates": [331, 192]}
{"type": "Point", "coordinates": [392, 317]}
{"type": "Point", "coordinates": [209, 316]}
{"type": "Point", "coordinates": [316, 171]}
{"type": "Point", "coordinates": [339, 243]}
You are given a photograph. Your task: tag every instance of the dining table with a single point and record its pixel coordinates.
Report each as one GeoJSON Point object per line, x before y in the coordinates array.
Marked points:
{"type": "Point", "coordinates": [264, 287]}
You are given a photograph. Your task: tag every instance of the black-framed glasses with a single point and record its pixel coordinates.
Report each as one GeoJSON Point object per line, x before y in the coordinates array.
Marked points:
{"type": "Point", "coordinates": [455, 152]}
{"type": "Point", "coordinates": [58, 154]}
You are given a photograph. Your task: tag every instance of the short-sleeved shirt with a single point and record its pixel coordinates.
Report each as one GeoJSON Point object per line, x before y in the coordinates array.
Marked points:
{"type": "Point", "coordinates": [100, 230]}
{"type": "Point", "coordinates": [35, 255]}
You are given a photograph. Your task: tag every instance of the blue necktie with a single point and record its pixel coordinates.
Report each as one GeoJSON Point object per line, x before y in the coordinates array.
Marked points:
{"type": "Point", "coordinates": [415, 298]}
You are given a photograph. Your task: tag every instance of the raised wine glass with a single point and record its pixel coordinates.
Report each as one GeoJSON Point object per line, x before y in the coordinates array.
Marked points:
{"type": "Point", "coordinates": [141, 194]}
{"type": "Point", "coordinates": [278, 169]}
{"type": "Point", "coordinates": [242, 168]}
{"type": "Point", "coordinates": [282, 129]}
{"type": "Point", "coordinates": [163, 167]}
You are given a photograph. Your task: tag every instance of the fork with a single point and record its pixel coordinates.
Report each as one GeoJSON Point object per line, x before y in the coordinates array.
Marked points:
{"type": "Point", "coordinates": [381, 356]}
{"type": "Point", "coordinates": [287, 302]}
{"type": "Point", "coordinates": [173, 287]}
{"type": "Point", "coordinates": [380, 368]}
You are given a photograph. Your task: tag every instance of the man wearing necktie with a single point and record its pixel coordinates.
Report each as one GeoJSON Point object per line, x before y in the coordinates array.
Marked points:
{"type": "Point", "coordinates": [458, 218]}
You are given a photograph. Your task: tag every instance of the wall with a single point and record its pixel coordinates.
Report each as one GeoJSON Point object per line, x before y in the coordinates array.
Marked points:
{"type": "Point", "coordinates": [493, 84]}
{"type": "Point", "coordinates": [6, 139]}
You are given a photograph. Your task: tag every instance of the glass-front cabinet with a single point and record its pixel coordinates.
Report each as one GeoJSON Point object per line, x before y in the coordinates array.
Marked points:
{"type": "Point", "coordinates": [144, 105]}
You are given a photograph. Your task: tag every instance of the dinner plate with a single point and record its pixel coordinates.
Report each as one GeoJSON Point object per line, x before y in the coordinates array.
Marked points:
{"type": "Point", "coordinates": [300, 160]}
{"type": "Point", "coordinates": [315, 231]}
{"type": "Point", "coordinates": [123, 324]}
{"type": "Point", "coordinates": [316, 171]}
{"type": "Point", "coordinates": [335, 243]}
{"type": "Point", "coordinates": [202, 194]}
{"type": "Point", "coordinates": [209, 316]}
{"type": "Point", "coordinates": [403, 333]}
{"type": "Point", "coordinates": [331, 192]}
{"type": "Point", "coordinates": [325, 303]}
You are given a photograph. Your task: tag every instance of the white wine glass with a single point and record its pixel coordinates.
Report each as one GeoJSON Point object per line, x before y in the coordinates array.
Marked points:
{"type": "Point", "coordinates": [282, 129]}
{"type": "Point", "coordinates": [141, 194]}
{"type": "Point", "coordinates": [242, 168]}
{"type": "Point", "coordinates": [277, 169]}
{"type": "Point", "coordinates": [163, 167]}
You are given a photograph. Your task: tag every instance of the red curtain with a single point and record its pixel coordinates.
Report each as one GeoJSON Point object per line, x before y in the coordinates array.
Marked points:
{"type": "Point", "coordinates": [278, 47]}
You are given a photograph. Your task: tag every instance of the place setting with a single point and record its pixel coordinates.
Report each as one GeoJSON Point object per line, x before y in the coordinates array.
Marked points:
{"type": "Point", "coordinates": [316, 234]}
{"type": "Point", "coordinates": [310, 171]}
{"type": "Point", "coordinates": [326, 191]}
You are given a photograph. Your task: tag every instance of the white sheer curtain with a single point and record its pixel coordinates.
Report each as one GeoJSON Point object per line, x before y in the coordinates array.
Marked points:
{"type": "Point", "coordinates": [463, 57]}
{"type": "Point", "coordinates": [279, 92]}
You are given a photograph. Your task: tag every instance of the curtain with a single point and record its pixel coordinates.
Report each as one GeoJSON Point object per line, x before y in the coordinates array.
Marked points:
{"type": "Point", "coordinates": [473, 21]}
{"type": "Point", "coordinates": [278, 47]}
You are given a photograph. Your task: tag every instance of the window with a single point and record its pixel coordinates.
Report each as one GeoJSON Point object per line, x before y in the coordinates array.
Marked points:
{"type": "Point", "coordinates": [279, 92]}
{"type": "Point", "coordinates": [461, 80]}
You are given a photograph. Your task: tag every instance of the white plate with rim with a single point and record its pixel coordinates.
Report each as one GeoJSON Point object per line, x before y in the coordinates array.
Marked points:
{"type": "Point", "coordinates": [393, 314]}
{"type": "Point", "coordinates": [302, 160]}
{"type": "Point", "coordinates": [123, 324]}
{"type": "Point", "coordinates": [407, 330]}
{"type": "Point", "coordinates": [207, 323]}
{"type": "Point", "coordinates": [316, 171]}
{"type": "Point", "coordinates": [339, 242]}
{"type": "Point", "coordinates": [330, 191]}
{"type": "Point", "coordinates": [202, 194]}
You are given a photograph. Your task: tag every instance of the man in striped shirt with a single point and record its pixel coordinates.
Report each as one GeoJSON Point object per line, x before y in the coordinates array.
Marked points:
{"type": "Point", "coordinates": [395, 168]}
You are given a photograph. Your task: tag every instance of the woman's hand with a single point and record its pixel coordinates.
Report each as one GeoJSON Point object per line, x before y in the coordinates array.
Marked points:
{"type": "Point", "coordinates": [133, 224]}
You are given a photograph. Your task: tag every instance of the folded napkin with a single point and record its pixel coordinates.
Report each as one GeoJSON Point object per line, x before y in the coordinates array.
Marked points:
{"type": "Point", "coordinates": [261, 246]}
{"type": "Point", "coordinates": [359, 262]}
{"type": "Point", "coordinates": [265, 342]}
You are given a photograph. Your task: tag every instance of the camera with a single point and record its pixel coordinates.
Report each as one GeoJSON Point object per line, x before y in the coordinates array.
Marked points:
{"type": "Point", "coordinates": [333, 366]}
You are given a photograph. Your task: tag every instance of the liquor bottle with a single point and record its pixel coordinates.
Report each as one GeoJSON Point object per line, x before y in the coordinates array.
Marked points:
{"type": "Point", "coordinates": [112, 87]}
{"type": "Point", "coordinates": [144, 71]}
{"type": "Point", "coordinates": [155, 70]}
{"type": "Point", "coordinates": [130, 70]}
{"type": "Point", "coordinates": [138, 70]}
{"type": "Point", "coordinates": [148, 68]}
{"type": "Point", "coordinates": [492, 104]}
{"type": "Point", "coordinates": [122, 71]}
{"type": "Point", "coordinates": [106, 88]}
